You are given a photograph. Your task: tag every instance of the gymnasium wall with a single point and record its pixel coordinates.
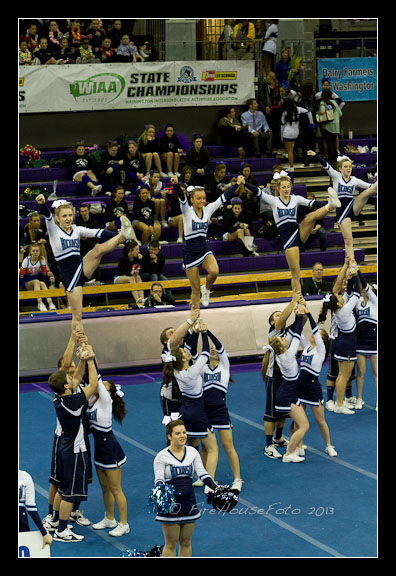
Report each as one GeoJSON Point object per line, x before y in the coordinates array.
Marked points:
{"type": "Point", "coordinates": [132, 339]}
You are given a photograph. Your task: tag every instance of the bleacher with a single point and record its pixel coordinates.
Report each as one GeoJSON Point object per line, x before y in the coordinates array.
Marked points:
{"type": "Point", "coordinates": [230, 260]}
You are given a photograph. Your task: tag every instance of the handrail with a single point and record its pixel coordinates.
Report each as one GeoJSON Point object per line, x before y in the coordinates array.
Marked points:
{"type": "Point", "coordinates": [182, 283]}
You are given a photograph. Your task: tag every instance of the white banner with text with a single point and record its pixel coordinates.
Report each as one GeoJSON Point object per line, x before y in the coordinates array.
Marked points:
{"type": "Point", "coordinates": [79, 87]}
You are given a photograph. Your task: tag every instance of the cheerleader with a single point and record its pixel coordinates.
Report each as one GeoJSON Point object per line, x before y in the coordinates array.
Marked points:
{"type": "Point", "coordinates": [176, 465]}
{"type": "Point", "coordinates": [345, 344]}
{"type": "Point", "coordinates": [366, 347]}
{"type": "Point", "coordinates": [196, 251]}
{"type": "Point", "coordinates": [64, 237]}
{"type": "Point", "coordinates": [287, 399]}
{"type": "Point", "coordinates": [109, 457]}
{"type": "Point", "coordinates": [310, 390]}
{"type": "Point", "coordinates": [192, 411]}
{"type": "Point", "coordinates": [284, 209]}
{"type": "Point", "coordinates": [27, 503]}
{"type": "Point", "coordinates": [216, 377]}
{"type": "Point", "coordinates": [345, 185]}
{"type": "Point", "coordinates": [32, 272]}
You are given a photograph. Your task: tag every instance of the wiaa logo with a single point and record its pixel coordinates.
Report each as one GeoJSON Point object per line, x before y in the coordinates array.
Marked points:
{"type": "Point", "coordinates": [186, 75]}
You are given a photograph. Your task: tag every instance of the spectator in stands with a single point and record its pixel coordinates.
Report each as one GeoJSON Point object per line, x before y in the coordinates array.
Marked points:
{"type": "Point", "coordinates": [187, 177]}
{"type": "Point", "coordinates": [243, 40]}
{"type": "Point", "coordinates": [175, 219]}
{"type": "Point", "coordinates": [231, 132]}
{"type": "Point", "coordinates": [126, 51]}
{"type": "Point", "coordinates": [143, 217]}
{"type": "Point", "coordinates": [111, 163]}
{"type": "Point", "coordinates": [106, 52]}
{"type": "Point", "coordinates": [269, 103]}
{"type": "Point", "coordinates": [33, 274]}
{"type": "Point", "coordinates": [218, 182]}
{"type": "Point", "coordinates": [65, 55]}
{"type": "Point", "coordinates": [25, 56]}
{"type": "Point", "coordinates": [326, 85]}
{"type": "Point", "coordinates": [170, 150]}
{"type": "Point", "coordinates": [134, 166]}
{"type": "Point", "coordinates": [75, 35]}
{"type": "Point", "coordinates": [306, 99]}
{"type": "Point", "coordinates": [158, 196]}
{"type": "Point", "coordinates": [290, 129]}
{"type": "Point", "coordinates": [197, 157]}
{"type": "Point", "coordinates": [96, 34]}
{"type": "Point", "coordinates": [82, 167]}
{"type": "Point", "coordinates": [45, 54]}
{"type": "Point", "coordinates": [283, 68]}
{"type": "Point", "coordinates": [32, 38]}
{"type": "Point", "coordinates": [269, 47]}
{"type": "Point", "coordinates": [54, 34]}
{"type": "Point", "coordinates": [86, 55]}
{"type": "Point", "coordinates": [115, 207]}
{"type": "Point", "coordinates": [259, 132]}
{"type": "Point", "coordinates": [115, 34]}
{"type": "Point", "coordinates": [315, 284]}
{"type": "Point", "coordinates": [158, 297]}
{"type": "Point", "coordinates": [331, 130]}
{"type": "Point", "coordinates": [86, 219]}
{"type": "Point", "coordinates": [236, 228]}
{"type": "Point", "coordinates": [152, 265]}
{"type": "Point", "coordinates": [149, 149]}
{"type": "Point", "coordinates": [225, 50]}
{"type": "Point", "coordinates": [128, 270]}
{"type": "Point", "coordinates": [35, 233]}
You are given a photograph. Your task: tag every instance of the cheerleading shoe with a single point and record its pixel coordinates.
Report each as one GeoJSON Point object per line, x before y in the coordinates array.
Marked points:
{"type": "Point", "coordinates": [78, 517]}
{"type": "Point", "coordinates": [330, 450]}
{"type": "Point", "coordinates": [334, 201]}
{"type": "Point", "coordinates": [126, 228]}
{"type": "Point", "coordinates": [293, 457]}
{"type": "Point", "coordinates": [120, 530]}
{"type": "Point", "coordinates": [272, 452]}
{"type": "Point", "coordinates": [342, 410]}
{"type": "Point", "coordinates": [205, 295]}
{"type": "Point", "coordinates": [105, 523]}
{"type": "Point", "coordinates": [67, 536]}
{"type": "Point", "coordinates": [237, 484]}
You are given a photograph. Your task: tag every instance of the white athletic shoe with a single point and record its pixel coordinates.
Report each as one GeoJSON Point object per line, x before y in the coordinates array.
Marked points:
{"type": "Point", "coordinates": [105, 523]}
{"type": "Point", "coordinates": [334, 201]}
{"type": "Point", "coordinates": [42, 307]}
{"type": "Point", "coordinates": [330, 450]}
{"type": "Point", "coordinates": [330, 405]}
{"type": "Point", "coordinates": [237, 484]}
{"type": "Point", "coordinates": [359, 404]}
{"type": "Point", "coordinates": [293, 457]}
{"type": "Point", "coordinates": [67, 536]}
{"type": "Point", "coordinates": [120, 530]}
{"type": "Point", "coordinates": [205, 295]}
{"type": "Point", "coordinates": [272, 452]}
{"type": "Point", "coordinates": [342, 410]}
{"type": "Point", "coordinates": [78, 517]}
{"type": "Point", "coordinates": [126, 228]}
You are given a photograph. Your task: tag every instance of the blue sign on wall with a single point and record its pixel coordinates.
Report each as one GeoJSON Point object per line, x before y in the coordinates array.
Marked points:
{"type": "Point", "coordinates": [352, 79]}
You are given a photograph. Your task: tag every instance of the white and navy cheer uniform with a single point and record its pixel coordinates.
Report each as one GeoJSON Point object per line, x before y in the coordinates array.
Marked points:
{"type": "Point", "coordinates": [345, 344]}
{"type": "Point", "coordinates": [66, 248]}
{"type": "Point", "coordinates": [108, 454]}
{"type": "Point", "coordinates": [344, 189]}
{"type": "Point", "coordinates": [190, 382]}
{"type": "Point", "coordinates": [311, 362]}
{"type": "Point", "coordinates": [179, 473]}
{"type": "Point", "coordinates": [285, 215]}
{"type": "Point", "coordinates": [288, 391]}
{"type": "Point", "coordinates": [366, 321]}
{"type": "Point", "coordinates": [196, 228]}
{"type": "Point", "coordinates": [215, 388]}
{"type": "Point", "coordinates": [27, 503]}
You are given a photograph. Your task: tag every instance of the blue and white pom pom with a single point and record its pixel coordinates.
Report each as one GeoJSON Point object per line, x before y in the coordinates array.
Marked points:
{"type": "Point", "coordinates": [162, 498]}
{"type": "Point", "coordinates": [156, 551]}
{"type": "Point", "coordinates": [224, 498]}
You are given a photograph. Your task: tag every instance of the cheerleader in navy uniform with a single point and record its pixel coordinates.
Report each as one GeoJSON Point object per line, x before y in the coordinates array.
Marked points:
{"type": "Point", "coordinates": [287, 394]}
{"type": "Point", "coordinates": [176, 465]}
{"type": "Point", "coordinates": [310, 390]}
{"type": "Point", "coordinates": [350, 207]}
{"type": "Point", "coordinates": [196, 250]}
{"type": "Point", "coordinates": [64, 237]}
{"type": "Point", "coordinates": [284, 209]}
{"type": "Point", "coordinates": [192, 411]}
{"type": "Point", "coordinates": [343, 308]}
{"type": "Point", "coordinates": [366, 346]}
{"type": "Point", "coordinates": [27, 503]}
{"type": "Point", "coordinates": [109, 456]}
{"type": "Point", "coordinates": [216, 377]}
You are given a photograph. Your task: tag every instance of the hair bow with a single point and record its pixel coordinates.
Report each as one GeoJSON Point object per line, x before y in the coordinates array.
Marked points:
{"type": "Point", "coordinates": [119, 392]}
{"type": "Point", "coordinates": [374, 286]}
{"type": "Point", "coordinates": [341, 158]}
{"type": "Point", "coordinates": [167, 357]}
{"type": "Point", "coordinates": [277, 175]}
{"type": "Point", "coordinates": [327, 297]}
{"type": "Point", "coordinates": [326, 79]}
{"type": "Point", "coordinates": [268, 348]}
{"type": "Point", "coordinates": [173, 416]}
{"type": "Point", "coordinates": [58, 203]}
{"type": "Point", "coordinates": [285, 84]}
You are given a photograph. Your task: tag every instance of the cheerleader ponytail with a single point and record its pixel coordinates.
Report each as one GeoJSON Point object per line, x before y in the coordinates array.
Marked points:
{"type": "Point", "coordinates": [330, 302]}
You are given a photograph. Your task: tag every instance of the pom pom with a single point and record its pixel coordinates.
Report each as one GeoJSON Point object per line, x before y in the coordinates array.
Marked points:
{"type": "Point", "coordinates": [224, 498]}
{"type": "Point", "coordinates": [162, 498]}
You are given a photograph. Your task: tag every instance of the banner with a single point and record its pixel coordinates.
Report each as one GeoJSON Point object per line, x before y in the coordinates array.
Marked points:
{"type": "Point", "coordinates": [76, 87]}
{"type": "Point", "coordinates": [353, 79]}
{"type": "Point", "coordinates": [30, 545]}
